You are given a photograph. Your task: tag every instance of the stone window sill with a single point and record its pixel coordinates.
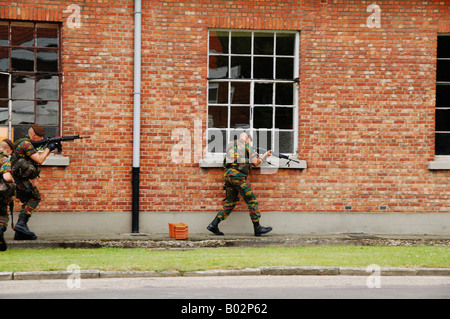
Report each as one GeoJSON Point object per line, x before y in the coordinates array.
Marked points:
{"type": "Point", "coordinates": [217, 161]}
{"type": "Point", "coordinates": [56, 160]}
{"type": "Point", "coordinates": [440, 163]}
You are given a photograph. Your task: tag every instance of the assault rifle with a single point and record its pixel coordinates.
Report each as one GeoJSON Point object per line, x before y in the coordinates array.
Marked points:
{"type": "Point", "coordinates": [57, 141]}
{"type": "Point", "coordinates": [279, 155]}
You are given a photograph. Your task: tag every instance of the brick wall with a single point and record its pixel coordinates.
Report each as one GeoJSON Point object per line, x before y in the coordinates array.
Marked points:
{"type": "Point", "coordinates": [366, 104]}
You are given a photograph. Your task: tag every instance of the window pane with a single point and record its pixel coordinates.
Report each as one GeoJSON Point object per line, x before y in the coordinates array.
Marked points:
{"type": "Point", "coordinates": [442, 144]}
{"type": "Point", "coordinates": [443, 70]}
{"type": "Point", "coordinates": [443, 48]}
{"type": "Point", "coordinates": [284, 94]}
{"type": "Point", "coordinates": [47, 35]}
{"type": "Point", "coordinates": [4, 59]}
{"type": "Point", "coordinates": [240, 93]}
{"type": "Point", "coordinates": [241, 67]}
{"type": "Point", "coordinates": [22, 34]}
{"type": "Point", "coordinates": [217, 141]}
{"type": "Point", "coordinates": [4, 111]}
{"type": "Point", "coordinates": [443, 95]}
{"type": "Point", "coordinates": [262, 139]}
{"type": "Point", "coordinates": [23, 87]}
{"type": "Point", "coordinates": [47, 61]}
{"type": "Point", "coordinates": [443, 120]}
{"type": "Point", "coordinates": [285, 44]}
{"type": "Point", "coordinates": [263, 93]}
{"type": "Point", "coordinates": [23, 112]}
{"type": "Point", "coordinates": [47, 113]}
{"type": "Point", "coordinates": [240, 117]}
{"type": "Point", "coordinates": [263, 117]}
{"type": "Point", "coordinates": [284, 118]}
{"type": "Point", "coordinates": [263, 68]}
{"type": "Point", "coordinates": [22, 60]}
{"type": "Point", "coordinates": [47, 87]}
{"type": "Point", "coordinates": [218, 67]}
{"type": "Point", "coordinates": [241, 42]}
{"type": "Point", "coordinates": [217, 116]}
{"type": "Point", "coordinates": [285, 68]}
{"type": "Point", "coordinates": [264, 43]}
{"type": "Point", "coordinates": [4, 86]}
{"type": "Point", "coordinates": [285, 142]}
{"type": "Point", "coordinates": [218, 42]}
{"type": "Point", "coordinates": [4, 33]}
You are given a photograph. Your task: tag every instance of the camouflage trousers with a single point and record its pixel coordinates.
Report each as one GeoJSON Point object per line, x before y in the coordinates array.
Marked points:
{"type": "Point", "coordinates": [29, 195]}
{"type": "Point", "coordinates": [236, 184]}
{"type": "Point", "coordinates": [4, 217]}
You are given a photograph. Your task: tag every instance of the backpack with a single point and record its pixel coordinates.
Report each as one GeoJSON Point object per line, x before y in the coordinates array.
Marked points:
{"type": "Point", "coordinates": [23, 167]}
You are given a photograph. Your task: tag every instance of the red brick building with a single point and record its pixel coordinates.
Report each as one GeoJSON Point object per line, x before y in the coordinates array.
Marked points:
{"type": "Point", "coordinates": [357, 91]}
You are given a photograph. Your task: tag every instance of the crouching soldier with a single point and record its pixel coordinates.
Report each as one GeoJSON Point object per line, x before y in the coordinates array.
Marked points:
{"type": "Point", "coordinates": [25, 167]}
{"type": "Point", "coordinates": [7, 188]}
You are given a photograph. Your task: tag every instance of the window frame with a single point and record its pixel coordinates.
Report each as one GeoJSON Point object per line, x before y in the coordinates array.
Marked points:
{"type": "Point", "coordinates": [35, 73]}
{"type": "Point", "coordinates": [441, 83]}
{"type": "Point", "coordinates": [215, 82]}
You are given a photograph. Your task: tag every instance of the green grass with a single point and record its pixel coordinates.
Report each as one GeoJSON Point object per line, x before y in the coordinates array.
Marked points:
{"type": "Point", "coordinates": [15, 260]}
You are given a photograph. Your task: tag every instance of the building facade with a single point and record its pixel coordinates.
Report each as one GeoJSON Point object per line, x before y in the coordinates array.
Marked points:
{"type": "Point", "coordinates": [358, 92]}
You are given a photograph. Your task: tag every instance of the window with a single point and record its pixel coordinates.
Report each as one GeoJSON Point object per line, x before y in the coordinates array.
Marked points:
{"type": "Point", "coordinates": [443, 96]}
{"type": "Point", "coordinates": [252, 84]}
{"type": "Point", "coordinates": [30, 78]}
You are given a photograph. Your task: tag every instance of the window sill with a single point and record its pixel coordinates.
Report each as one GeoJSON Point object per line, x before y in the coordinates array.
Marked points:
{"type": "Point", "coordinates": [56, 160]}
{"type": "Point", "coordinates": [217, 161]}
{"type": "Point", "coordinates": [440, 163]}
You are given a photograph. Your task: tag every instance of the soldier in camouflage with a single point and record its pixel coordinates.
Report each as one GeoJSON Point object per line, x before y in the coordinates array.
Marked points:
{"type": "Point", "coordinates": [25, 168]}
{"type": "Point", "coordinates": [240, 157]}
{"type": "Point", "coordinates": [7, 188]}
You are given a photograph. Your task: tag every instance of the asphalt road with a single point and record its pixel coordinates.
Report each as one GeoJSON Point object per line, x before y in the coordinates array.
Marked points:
{"type": "Point", "coordinates": [194, 289]}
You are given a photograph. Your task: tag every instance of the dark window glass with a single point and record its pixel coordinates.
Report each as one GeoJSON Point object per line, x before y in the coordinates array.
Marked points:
{"type": "Point", "coordinates": [23, 87]}
{"type": "Point", "coordinates": [264, 43]}
{"type": "Point", "coordinates": [285, 44]}
{"type": "Point", "coordinates": [4, 86]}
{"type": "Point", "coordinates": [47, 61]}
{"type": "Point", "coordinates": [217, 116]}
{"type": "Point", "coordinates": [240, 92]}
{"type": "Point", "coordinates": [22, 60]}
{"type": "Point", "coordinates": [263, 117]}
{"type": "Point", "coordinates": [4, 59]}
{"type": "Point", "coordinates": [443, 47]}
{"type": "Point", "coordinates": [47, 113]}
{"type": "Point", "coordinates": [240, 117]}
{"type": "Point", "coordinates": [22, 112]}
{"type": "Point", "coordinates": [284, 94]}
{"type": "Point", "coordinates": [218, 67]}
{"type": "Point", "coordinates": [4, 33]}
{"type": "Point", "coordinates": [241, 67]}
{"type": "Point", "coordinates": [285, 68]}
{"type": "Point", "coordinates": [241, 43]}
{"type": "Point", "coordinates": [285, 141]}
{"type": "Point", "coordinates": [218, 42]}
{"type": "Point", "coordinates": [443, 70]}
{"type": "Point", "coordinates": [284, 118]}
{"type": "Point", "coordinates": [47, 35]}
{"type": "Point", "coordinates": [443, 120]}
{"type": "Point", "coordinates": [443, 96]}
{"type": "Point", "coordinates": [263, 93]}
{"type": "Point", "coordinates": [22, 34]}
{"type": "Point", "coordinates": [442, 144]}
{"type": "Point", "coordinates": [263, 68]}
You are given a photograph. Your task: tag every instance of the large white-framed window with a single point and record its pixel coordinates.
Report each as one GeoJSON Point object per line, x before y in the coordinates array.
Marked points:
{"type": "Point", "coordinates": [253, 84]}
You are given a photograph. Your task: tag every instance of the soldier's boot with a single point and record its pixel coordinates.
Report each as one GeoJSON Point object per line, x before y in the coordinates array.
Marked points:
{"type": "Point", "coordinates": [214, 227]}
{"type": "Point", "coordinates": [22, 231]}
{"type": "Point", "coordinates": [260, 230]}
{"type": "Point", "coordinates": [3, 245]}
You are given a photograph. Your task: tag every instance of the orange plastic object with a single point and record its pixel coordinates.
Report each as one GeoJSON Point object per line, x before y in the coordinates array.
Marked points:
{"type": "Point", "coordinates": [178, 230]}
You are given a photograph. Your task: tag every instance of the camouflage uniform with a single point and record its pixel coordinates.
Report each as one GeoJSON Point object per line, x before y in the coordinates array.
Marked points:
{"type": "Point", "coordinates": [237, 166]}
{"type": "Point", "coordinates": [26, 192]}
{"type": "Point", "coordinates": [7, 194]}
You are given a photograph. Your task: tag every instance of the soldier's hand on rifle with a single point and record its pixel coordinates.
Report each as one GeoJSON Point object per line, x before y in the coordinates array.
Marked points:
{"type": "Point", "coordinates": [52, 146]}
{"type": "Point", "coordinates": [267, 154]}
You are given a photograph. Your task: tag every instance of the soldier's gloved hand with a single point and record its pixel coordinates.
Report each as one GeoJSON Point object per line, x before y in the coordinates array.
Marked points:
{"type": "Point", "coordinates": [52, 146]}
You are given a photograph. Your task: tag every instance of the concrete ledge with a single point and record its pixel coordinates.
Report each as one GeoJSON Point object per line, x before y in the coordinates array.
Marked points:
{"type": "Point", "coordinates": [6, 276]}
{"type": "Point", "coordinates": [239, 223]}
{"type": "Point", "coordinates": [299, 271]}
{"type": "Point", "coordinates": [138, 274]}
{"type": "Point", "coordinates": [219, 272]}
{"type": "Point", "coordinates": [63, 274]}
{"type": "Point", "coordinates": [432, 272]}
